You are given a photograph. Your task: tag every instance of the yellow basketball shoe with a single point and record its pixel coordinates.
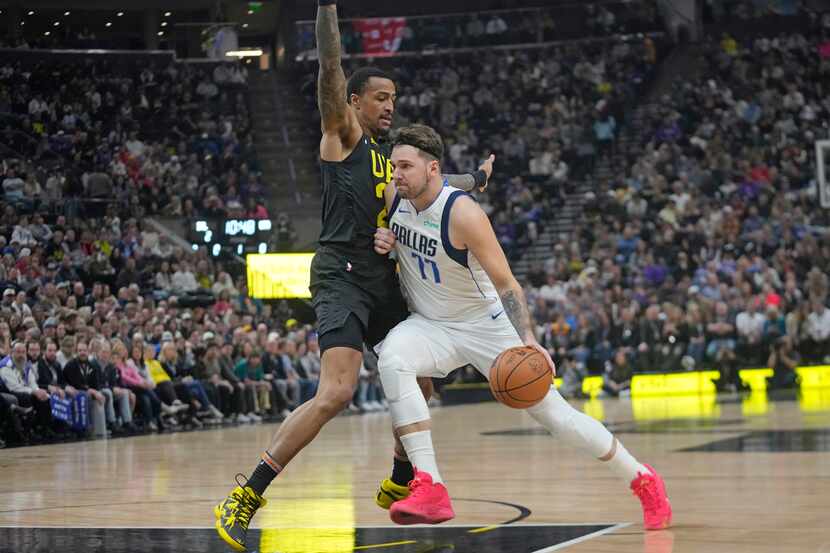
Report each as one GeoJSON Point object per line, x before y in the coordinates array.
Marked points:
{"type": "Point", "coordinates": [233, 515]}
{"type": "Point", "coordinates": [389, 492]}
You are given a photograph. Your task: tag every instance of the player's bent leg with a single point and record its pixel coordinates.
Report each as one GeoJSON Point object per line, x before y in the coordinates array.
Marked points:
{"type": "Point", "coordinates": [338, 378]}
{"type": "Point", "coordinates": [399, 366]}
{"type": "Point", "coordinates": [586, 433]}
{"type": "Point", "coordinates": [396, 487]}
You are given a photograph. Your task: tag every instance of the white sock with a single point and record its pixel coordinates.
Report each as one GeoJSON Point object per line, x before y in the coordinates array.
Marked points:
{"type": "Point", "coordinates": [586, 433]}
{"type": "Point", "coordinates": [622, 463]}
{"type": "Point", "coordinates": [418, 446]}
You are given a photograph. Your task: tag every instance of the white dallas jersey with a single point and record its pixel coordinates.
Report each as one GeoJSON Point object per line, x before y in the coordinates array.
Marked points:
{"type": "Point", "coordinates": [439, 282]}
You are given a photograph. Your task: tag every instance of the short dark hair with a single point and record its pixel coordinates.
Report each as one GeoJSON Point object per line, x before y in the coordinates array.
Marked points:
{"type": "Point", "coordinates": [423, 137]}
{"type": "Point", "coordinates": [357, 81]}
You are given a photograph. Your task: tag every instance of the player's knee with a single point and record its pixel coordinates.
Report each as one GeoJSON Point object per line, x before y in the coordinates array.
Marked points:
{"type": "Point", "coordinates": [334, 399]}
{"type": "Point", "coordinates": [395, 375]}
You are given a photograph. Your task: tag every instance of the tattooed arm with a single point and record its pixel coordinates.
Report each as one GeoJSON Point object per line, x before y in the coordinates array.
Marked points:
{"type": "Point", "coordinates": [471, 229]}
{"type": "Point", "coordinates": [340, 127]}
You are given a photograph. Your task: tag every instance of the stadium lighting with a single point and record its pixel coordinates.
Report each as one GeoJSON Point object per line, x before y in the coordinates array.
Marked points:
{"type": "Point", "coordinates": [168, 14]}
{"type": "Point", "coordinates": [208, 236]}
{"type": "Point", "coordinates": [244, 53]}
{"type": "Point", "coordinates": [160, 33]}
{"type": "Point", "coordinates": [120, 14]}
{"type": "Point", "coordinates": [31, 12]}
{"type": "Point", "coordinates": [244, 25]}
{"type": "Point", "coordinates": [164, 23]}
{"type": "Point", "coordinates": [47, 33]}
{"type": "Point", "coordinates": [240, 249]}
{"type": "Point", "coordinates": [195, 247]}
{"type": "Point", "coordinates": [250, 12]}
{"type": "Point", "coordinates": [109, 24]}
{"type": "Point", "coordinates": [263, 247]}
{"type": "Point", "coordinates": [56, 23]}
{"type": "Point", "coordinates": [66, 14]}
{"type": "Point", "coordinates": [216, 249]}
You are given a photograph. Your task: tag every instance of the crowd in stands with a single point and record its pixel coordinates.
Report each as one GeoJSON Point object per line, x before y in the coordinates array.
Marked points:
{"type": "Point", "coordinates": [107, 328]}
{"type": "Point", "coordinates": [706, 249]}
{"type": "Point", "coordinates": [79, 133]}
{"type": "Point", "coordinates": [710, 248]}
{"type": "Point", "coordinates": [546, 113]}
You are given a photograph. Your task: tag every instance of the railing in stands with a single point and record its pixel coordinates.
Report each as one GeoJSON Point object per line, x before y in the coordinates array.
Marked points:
{"type": "Point", "coordinates": [416, 35]}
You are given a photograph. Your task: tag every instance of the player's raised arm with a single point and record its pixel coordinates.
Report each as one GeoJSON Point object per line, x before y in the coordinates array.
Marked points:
{"type": "Point", "coordinates": [470, 181]}
{"type": "Point", "coordinates": [339, 125]}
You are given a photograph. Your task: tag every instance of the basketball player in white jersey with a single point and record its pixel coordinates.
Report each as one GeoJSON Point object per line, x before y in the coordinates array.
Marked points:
{"type": "Point", "coordinates": [466, 308]}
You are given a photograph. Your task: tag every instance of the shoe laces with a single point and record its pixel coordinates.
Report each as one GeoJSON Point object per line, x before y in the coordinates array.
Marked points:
{"type": "Point", "coordinates": [647, 492]}
{"type": "Point", "coordinates": [418, 487]}
{"type": "Point", "coordinates": [246, 502]}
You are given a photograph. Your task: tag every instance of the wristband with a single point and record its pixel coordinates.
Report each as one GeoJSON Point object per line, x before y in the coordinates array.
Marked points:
{"type": "Point", "coordinates": [326, 2]}
{"type": "Point", "coordinates": [480, 178]}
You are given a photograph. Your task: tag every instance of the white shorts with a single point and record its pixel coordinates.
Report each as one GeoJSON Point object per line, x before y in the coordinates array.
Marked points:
{"type": "Point", "coordinates": [436, 348]}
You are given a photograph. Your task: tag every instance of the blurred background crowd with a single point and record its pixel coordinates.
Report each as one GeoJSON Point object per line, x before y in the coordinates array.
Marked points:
{"type": "Point", "coordinates": [692, 238]}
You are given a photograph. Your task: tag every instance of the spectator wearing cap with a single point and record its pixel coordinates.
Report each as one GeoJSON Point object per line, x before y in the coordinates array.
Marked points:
{"type": "Point", "coordinates": [84, 376]}
{"type": "Point", "coordinates": [9, 296]}
{"type": "Point", "coordinates": [19, 376]}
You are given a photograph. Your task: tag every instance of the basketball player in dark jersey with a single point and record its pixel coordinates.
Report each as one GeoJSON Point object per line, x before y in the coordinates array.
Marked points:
{"type": "Point", "coordinates": [354, 289]}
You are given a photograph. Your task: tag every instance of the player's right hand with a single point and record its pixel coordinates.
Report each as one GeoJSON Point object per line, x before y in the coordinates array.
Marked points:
{"type": "Point", "coordinates": [384, 240]}
{"type": "Point", "coordinates": [538, 347]}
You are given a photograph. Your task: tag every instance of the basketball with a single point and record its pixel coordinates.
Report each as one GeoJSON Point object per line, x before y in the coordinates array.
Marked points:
{"type": "Point", "coordinates": [520, 377]}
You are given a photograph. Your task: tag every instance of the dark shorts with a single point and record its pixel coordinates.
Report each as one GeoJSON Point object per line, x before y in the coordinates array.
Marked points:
{"type": "Point", "coordinates": [357, 301]}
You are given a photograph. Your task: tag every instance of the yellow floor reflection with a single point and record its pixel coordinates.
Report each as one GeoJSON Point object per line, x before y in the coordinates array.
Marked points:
{"type": "Point", "coordinates": [322, 519]}
{"type": "Point", "coordinates": [704, 406]}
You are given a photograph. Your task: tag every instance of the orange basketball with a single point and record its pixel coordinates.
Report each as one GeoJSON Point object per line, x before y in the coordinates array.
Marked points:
{"type": "Point", "coordinates": [520, 377]}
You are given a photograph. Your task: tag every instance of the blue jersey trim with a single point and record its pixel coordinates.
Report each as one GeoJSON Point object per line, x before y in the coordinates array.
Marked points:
{"type": "Point", "coordinates": [459, 256]}
{"type": "Point", "coordinates": [480, 291]}
{"type": "Point", "coordinates": [395, 201]}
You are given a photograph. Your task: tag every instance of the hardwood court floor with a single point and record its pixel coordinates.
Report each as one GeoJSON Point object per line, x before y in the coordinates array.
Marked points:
{"type": "Point", "coordinates": [743, 476]}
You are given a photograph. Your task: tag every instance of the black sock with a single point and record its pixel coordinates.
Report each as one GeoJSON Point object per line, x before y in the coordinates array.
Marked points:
{"type": "Point", "coordinates": [262, 477]}
{"type": "Point", "coordinates": [402, 472]}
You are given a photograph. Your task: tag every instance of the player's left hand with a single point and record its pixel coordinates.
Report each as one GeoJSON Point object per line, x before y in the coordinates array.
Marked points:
{"type": "Point", "coordinates": [538, 347]}
{"type": "Point", "coordinates": [487, 167]}
{"type": "Point", "coordinates": [384, 240]}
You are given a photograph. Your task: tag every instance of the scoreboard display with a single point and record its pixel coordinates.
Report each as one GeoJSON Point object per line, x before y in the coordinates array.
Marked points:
{"type": "Point", "coordinates": [231, 236]}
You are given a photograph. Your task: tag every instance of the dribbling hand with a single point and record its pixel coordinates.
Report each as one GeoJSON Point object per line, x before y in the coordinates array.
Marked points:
{"type": "Point", "coordinates": [538, 347]}
{"type": "Point", "coordinates": [384, 240]}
